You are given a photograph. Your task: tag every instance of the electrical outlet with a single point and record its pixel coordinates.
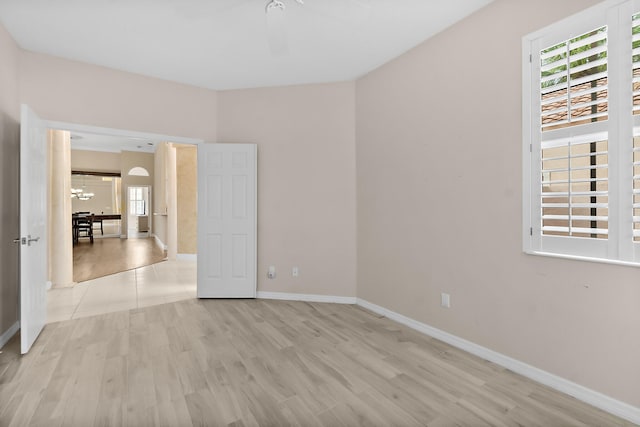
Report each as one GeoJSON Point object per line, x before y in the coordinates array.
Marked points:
{"type": "Point", "coordinates": [295, 272]}
{"type": "Point", "coordinates": [445, 300]}
{"type": "Point", "coordinates": [271, 273]}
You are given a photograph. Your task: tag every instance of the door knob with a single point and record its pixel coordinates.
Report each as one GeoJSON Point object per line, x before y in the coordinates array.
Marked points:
{"type": "Point", "coordinates": [17, 240]}
{"type": "Point", "coordinates": [29, 239]}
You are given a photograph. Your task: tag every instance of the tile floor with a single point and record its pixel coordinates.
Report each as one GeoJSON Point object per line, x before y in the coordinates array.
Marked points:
{"type": "Point", "coordinates": [167, 281]}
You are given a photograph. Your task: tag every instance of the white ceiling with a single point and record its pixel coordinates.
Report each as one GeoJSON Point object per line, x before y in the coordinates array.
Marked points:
{"type": "Point", "coordinates": [108, 143]}
{"type": "Point", "coordinates": [229, 44]}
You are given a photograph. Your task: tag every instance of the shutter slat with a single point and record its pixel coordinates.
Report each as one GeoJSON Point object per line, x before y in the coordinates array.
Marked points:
{"type": "Point", "coordinates": [588, 65]}
{"type": "Point", "coordinates": [581, 230]}
{"type": "Point", "coordinates": [554, 77]}
{"type": "Point", "coordinates": [584, 168]}
{"type": "Point", "coordinates": [580, 181]}
{"type": "Point", "coordinates": [556, 123]}
{"type": "Point", "coordinates": [575, 218]}
{"type": "Point", "coordinates": [561, 62]}
{"type": "Point", "coordinates": [559, 50]}
{"type": "Point", "coordinates": [556, 194]}
{"type": "Point", "coordinates": [588, 79]}
{"type": "Point", "coordinates": [588, 54]}
{"type": "Point", "coordinates": [600, 36]}
{"type": "Point", "coordinates": [576, 205]}
{"type": "Point", "coordinates": [588, 104]}
{"type": "Point", "coordinates": [554, 88]}
{"type": "Point", "coordinates": [553, 100]}
{"type": "Point", "coordinates": [589, 117]}
{"type": "Point", "coordinates": [589, 91]}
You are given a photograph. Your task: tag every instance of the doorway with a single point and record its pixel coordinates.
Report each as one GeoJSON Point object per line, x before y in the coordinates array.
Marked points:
{"type": "Point", "coordinates": [138, 218]}
{"type": "Point", "coordinates": [95, 148]}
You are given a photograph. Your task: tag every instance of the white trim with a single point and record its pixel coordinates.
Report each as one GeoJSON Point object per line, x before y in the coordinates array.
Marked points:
{"type": "Point", "coordinates": [9, 333]}
{"type": "Point", "coordinates": [121, 132]}
{"type": "Point", "coordinates": [618, 247]}
{"type": "Point", "coordinates": [306, 297]}
{"type": "Point", "coordinates": [187, 257]}
{"type": "Point", "coordinates": [592, 397]}
{"type": "Point", "coordinates": [585, 258]}
{"type": "Point", "coordinates": [527, 144]}
{"type": "Point", "coordinates": [159, 242]}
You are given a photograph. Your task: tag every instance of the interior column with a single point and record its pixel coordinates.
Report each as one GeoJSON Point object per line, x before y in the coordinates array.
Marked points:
{"type": "Point", "coordinates": [60, 239]}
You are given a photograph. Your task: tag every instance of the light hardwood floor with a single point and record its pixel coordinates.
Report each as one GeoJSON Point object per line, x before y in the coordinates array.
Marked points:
{"type": "Point", "coordinates": [267, 363]}
{"type": "Point", "coordinates": [112, 255]}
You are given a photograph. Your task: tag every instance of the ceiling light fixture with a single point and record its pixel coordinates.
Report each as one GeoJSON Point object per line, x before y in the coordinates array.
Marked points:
{"type": "Point", "coordinates": [80, 194]}
{"type": "Point", "coordinates": [277, 4]}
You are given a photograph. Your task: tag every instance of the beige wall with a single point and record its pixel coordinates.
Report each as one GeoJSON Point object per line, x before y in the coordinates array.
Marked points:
{"type": "Point", "coordinates": [430, 131]}
{"type": "Point", "coordinates": [95, 161]}
{"type": "Point", "coordinates": [187, 183]}
{"type": "Point", "coordinates": [69, 91]}
{"type": "Point", "coordinates": [9, 181]}
{"type": "Point", "coordinates": [306, 182]}
{"type": "Point", "coordinates": [129, 160]}
{"type": "Point", "coordinates": [439, 209]}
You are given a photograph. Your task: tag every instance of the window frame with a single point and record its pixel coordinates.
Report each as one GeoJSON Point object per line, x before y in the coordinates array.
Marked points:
{"type": "Point", "coordinates": [135, 202]}
{"type": "Point", "coordinates": [619, 247]}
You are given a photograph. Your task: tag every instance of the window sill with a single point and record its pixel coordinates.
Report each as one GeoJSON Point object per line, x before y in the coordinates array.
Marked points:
{"type": "Point", "coordinates": [585, 258]}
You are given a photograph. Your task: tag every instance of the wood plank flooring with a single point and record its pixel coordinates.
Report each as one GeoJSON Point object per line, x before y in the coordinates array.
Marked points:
{"type": "Point", "coordinates": [265, 363]}
{"type": "Point", "coordinates": [112, 255]}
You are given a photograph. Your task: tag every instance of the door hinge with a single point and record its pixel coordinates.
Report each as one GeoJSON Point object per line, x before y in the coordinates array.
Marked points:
{"type": "Point", "coordinates": [531, 148]}
{"type": "Point", "coordinates": [530, 58]}
{"type": "Point", "coordinates": [530, 231]}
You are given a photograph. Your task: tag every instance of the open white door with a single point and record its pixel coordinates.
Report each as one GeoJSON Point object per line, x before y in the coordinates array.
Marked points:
{"type": "Point", "coordinates": [33, 227]}
{"type": "Point", "coordinates": [227, 246]}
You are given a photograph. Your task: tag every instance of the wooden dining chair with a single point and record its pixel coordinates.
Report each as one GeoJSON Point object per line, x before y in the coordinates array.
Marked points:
{"type": "Point", "coordinates": [84, 227]}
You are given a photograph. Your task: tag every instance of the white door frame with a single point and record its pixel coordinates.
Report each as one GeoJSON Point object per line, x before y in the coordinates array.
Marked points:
{"type": "Point", "coordinates": [123, 133]}
{"type": "Point", "coordinates": [149, 204]}
{"type": "Point", "coordinates": [52, 124]}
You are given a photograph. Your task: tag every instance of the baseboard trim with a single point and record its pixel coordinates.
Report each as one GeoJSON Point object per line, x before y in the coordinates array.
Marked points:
{"type": "Point", "coordinates": [9, 333]}
{"type": "Point", "coordinates": [306, 297]}
{"type": "Point", "coordinates": [592, 397]}
{"type": "Point", "coordinates": [160, 243]}
{"type": "Point", "coordinates": [187, 257]}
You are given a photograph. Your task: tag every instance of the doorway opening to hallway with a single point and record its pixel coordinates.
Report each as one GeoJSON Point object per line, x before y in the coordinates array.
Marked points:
{"type": "Point", "coordinates": [139, 221]}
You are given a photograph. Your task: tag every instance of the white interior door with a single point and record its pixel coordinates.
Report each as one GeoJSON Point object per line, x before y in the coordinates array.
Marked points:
{"type": "Point", "coordinates": [33, 227]}
{"type": "Point", "coordinates": [227, 246]}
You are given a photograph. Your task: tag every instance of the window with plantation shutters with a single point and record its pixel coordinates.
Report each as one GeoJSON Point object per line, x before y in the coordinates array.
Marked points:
{"type": "Point", "coordinates": [635, 60]}
{"type": "Point", "coordinates": [573, 92]}
{"type": "Point", "coordinates": [574, 196]}
{"type": "Point", "coordinates": [581, 136]}
{"type": "Point", "coordinates": [573, 80]}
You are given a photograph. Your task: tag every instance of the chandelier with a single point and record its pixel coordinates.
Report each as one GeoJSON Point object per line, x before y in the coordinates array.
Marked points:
{"type": "Point", "coordinates": [277, 4]}
{"type": "Point", "coordinates": [80, 194]}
